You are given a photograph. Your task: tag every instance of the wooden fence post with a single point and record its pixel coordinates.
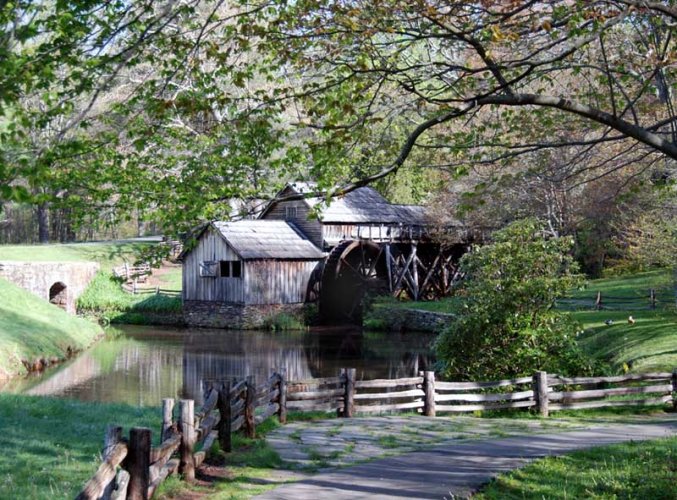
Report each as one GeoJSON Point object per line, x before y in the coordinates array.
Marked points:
{"type": "Point", "coordinates": [250, 408]}
{"type": "Point", "coordinates": [226, 421]}
{"type": "Point", "coordinates": [652, 298]}
{"type": "Point", "coordinates": [349, 395]}
{"type": "Point", "coordinates": [113, 436]}
{"type": "Point", "coordinates": [282, 399]}
{"type": "Point", "coordinates": [598, 301]}
{"type": "Point", "coordinates": [167, 418]}
{"type": "Point", "coordinates": [187, 426]}
{"type": "Point", "coordinates": [674, 389]}
{"type": "Point", "coordinates": [540, 388]}
{"type": "Point", "coordinates": [429, 389]}
{"type": "Point", "coordinates": [138, 463]}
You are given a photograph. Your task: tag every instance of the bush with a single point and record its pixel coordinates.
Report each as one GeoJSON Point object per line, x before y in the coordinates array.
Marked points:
{"type": "Point", "coordinates": [283, 322]}
{"type": "Point", "coordinates": [508, 325]}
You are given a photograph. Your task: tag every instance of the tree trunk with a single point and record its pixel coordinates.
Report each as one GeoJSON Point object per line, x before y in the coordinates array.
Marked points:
{"type": "Point", "coordinates": [43, 223]}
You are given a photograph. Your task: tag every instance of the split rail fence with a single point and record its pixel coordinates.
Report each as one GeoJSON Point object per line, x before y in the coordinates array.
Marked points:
{"type": "Point", "coordinates": [133, 469]}
{"type": "Point", "coordinates": [602, 301]}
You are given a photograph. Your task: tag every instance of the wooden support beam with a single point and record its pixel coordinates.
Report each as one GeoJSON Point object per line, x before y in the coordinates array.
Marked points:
{"type": "Point", "coordinates": [415, 271]}
{"type": "Point", "coordinates": [389, 267]}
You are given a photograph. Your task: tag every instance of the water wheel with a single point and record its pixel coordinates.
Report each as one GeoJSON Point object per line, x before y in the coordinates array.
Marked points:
{"type": "Point", "coordinates": [353, 270]}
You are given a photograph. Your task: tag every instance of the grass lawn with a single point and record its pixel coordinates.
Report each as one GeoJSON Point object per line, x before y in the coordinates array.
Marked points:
{"type": "Point", "coordinates": [648, 345]}
{"type": "Point", "coordinates": [105, 253]}
{"type": "Point", "coordinates": [33, 328]}
{"type": "Point", "coordinates": [52, 446]}
{"type": "Point", "coordinates": [629, 470]}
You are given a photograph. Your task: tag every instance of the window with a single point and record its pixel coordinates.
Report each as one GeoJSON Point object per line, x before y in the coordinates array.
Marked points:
{"type": "Point", "coordinates": [289, 213]}
{"type": "Point", "coordinates": [208, 269]}
{"type": "Point", "coordinates": [230, 269]}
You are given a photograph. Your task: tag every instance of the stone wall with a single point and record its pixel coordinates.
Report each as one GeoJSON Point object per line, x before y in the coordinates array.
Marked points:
{"type": "Point", "coordinates": [417, 320]}
{"type": "Point", "coordinates": [234, 316]}
{"type": "Point", "coordinates": [67, 280]}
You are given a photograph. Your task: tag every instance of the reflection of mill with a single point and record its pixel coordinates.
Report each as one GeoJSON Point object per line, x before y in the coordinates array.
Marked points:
{"type": "Point", "coordinates": [375, 355]}
{"type": "Point", "coordinates": [217, 356]}
{"type": "Point", "coordinates": [153, 363]}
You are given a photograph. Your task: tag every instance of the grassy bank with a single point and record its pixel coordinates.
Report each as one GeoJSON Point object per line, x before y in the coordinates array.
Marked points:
{"type": "Point", "coordinates": [630, 470]}
{"type": "Point", "coordinates": [104, 298]}
{"type": "Point", "coordinates": [38, 462]}
{"type": "Point", "coordinates": [32, 328]}
{"type": "Point", "coordinates": [648, 345]}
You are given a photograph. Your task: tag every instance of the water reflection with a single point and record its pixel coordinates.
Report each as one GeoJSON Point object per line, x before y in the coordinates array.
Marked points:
{"type": "Point", "coordinates": [141, 365]}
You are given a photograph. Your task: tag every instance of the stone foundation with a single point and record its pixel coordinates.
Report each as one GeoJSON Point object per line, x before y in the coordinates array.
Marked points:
{"type": "Point", "coordinates": [234, 316]}
{"type": "Point", "coordinates": [416, 320]}
{"type": "Point", "coordinates": [58, 282]}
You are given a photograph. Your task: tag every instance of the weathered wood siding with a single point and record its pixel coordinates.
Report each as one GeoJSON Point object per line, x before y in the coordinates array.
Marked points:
{"type": "Point", "coordinates": [212, 247]}
{"type": "Point", "coordinates": [332, 233]}
{"type": "Point", "coordinates": [277, 281]}
{"type": "Point", "coordinates": [311, 228]}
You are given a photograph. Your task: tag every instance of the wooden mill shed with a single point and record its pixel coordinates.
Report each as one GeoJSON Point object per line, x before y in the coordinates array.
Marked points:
{"type": "Point", "coordinates": [240, 272]}
{"type": "Point", "coordinates": [361, 214]}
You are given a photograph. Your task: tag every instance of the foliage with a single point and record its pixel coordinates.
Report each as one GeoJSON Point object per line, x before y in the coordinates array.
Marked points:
{"type": "Point", "coordinates": [105, 298]}
{"type": "Point", "coordinates": [170, 111]}
{"type": "Point", "coordinates": [628, 470]}
{"type": "Point", "coordinates": [650, 241]}
{"type": "Point", "coordinates": [508, 326]}
{"type": "Point", "coordinates": [31, 328]}
{"type": "Point", "coordinates": [42, 463]}
{"type": "Point", "coordinates": [281, 322]}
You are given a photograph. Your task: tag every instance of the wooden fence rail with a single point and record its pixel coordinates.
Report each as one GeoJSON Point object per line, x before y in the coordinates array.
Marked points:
{"type": "Point", "coordinates": [651, 300]}
{"type": "Point", "coordinates": [133, 469]}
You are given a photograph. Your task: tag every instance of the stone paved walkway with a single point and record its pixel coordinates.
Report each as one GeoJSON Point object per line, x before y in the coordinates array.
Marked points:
{"type": "Point", "coordinates": [468, 452]}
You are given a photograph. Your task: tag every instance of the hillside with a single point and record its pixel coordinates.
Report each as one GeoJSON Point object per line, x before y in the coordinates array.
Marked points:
{"type": "Point", "coordinates": [648, 345]}
{"type": "Point", "coordinates": [105, 253]}
{"type": "Point", "coordinates": [32, 328]}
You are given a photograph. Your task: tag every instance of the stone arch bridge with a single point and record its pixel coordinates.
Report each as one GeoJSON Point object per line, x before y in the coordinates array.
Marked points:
{"type": "Point", "coordinates": [61, 283]}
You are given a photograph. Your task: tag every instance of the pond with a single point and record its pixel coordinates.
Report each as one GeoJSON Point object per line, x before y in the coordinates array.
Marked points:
{"type": "Point", "coordinates": [140, 365]}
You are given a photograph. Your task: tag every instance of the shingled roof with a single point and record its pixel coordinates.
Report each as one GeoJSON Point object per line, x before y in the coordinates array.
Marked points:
{"type": "Point", "coordinates": [363, 205]}
{"type": "Point", "coordinates": [266, 239]}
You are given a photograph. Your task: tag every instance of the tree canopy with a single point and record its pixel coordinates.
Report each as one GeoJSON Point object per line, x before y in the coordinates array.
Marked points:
{"type": "Point", "coordinates": [187, 105]}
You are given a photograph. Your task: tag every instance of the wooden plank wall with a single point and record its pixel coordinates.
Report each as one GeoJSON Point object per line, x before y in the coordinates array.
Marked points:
{"type": "Point", "coordinates": [277, 281]}
{"type": "Point", "coordinates": [310, 227]}
{"type": "Point", "coordinates": [211, 247]}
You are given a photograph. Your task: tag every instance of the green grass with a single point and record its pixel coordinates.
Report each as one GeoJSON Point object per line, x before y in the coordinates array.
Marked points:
{"type": "Point", "coordinates": [648, 345]}
{"type": "Point", "coordinates": [629, 470]}
{"type": "Point", "coordinates": [51, 447]}
{"type": "Point", "coordinates": [105, 298]}
{"type": "Point", "coordinates": [32, 328]}
{"type": "Point", "coordinates": [635, 285]}
{"type": "Point", "coordinates": [105, 253]}
{"type": "Point", "coordinates": [248, 468]}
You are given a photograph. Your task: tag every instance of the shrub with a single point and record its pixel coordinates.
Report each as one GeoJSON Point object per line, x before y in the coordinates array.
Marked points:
{"type": "Point", "coordinates": [508, 325]}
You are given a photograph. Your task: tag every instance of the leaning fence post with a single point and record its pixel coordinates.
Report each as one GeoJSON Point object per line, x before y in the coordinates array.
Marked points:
{"type": "Point", "coordinates": [674, 389]}
{"type": "Point", "coordinates": [349, 396]}
{"type": "Point", "coordinates": [598, 301]}
{"type": "Point", "coordinates": [187, 426]}
{"type": "Point", "coordinates": [429, 390]}
{"type": "Point", "coordinates": [226, 420]}
{"type": "Point", "coordinates": [138, 463]}
{"type": "Point", "coordinates": [540, 388]}
{"type": "Point", "coordinates": [113, 436]}
{"type": "Point", "coordinates": [250, 408]}
{"type": "Point", "coordinates": [167, 418]}
{"type": "Point", "coordinates": [282, 399]}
